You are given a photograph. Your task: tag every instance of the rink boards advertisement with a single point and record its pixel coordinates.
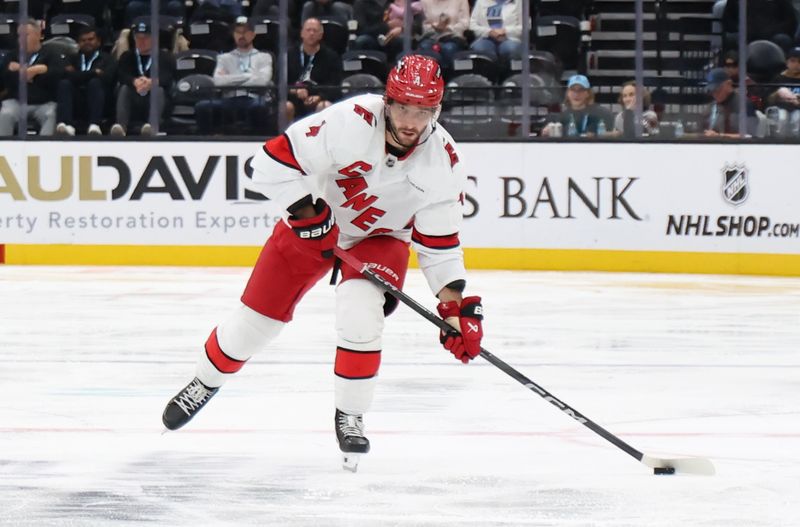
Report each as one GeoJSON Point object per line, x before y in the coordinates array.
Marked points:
{"type": "Point", "coordinates": [539, 205]}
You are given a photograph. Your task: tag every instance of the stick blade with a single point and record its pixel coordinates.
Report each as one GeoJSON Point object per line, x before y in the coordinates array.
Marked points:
{"type": "Point", "coordinates": [689, 465]}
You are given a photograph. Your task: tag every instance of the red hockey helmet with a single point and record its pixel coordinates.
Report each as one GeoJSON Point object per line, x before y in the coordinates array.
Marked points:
{"type": "Point", "coordinates": [415, 80]}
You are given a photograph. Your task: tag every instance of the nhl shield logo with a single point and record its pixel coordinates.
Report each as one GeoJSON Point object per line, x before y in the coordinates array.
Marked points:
{"type": "Point", "coordinates": [734, 184]}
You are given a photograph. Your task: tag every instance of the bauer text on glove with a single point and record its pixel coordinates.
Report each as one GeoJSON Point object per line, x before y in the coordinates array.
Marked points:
{"type": "Point", "coordinates": [317, 234]}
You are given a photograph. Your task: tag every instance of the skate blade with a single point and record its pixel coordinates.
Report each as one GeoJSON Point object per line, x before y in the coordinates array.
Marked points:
{"type": "Point", "coordinates": [350, 461]}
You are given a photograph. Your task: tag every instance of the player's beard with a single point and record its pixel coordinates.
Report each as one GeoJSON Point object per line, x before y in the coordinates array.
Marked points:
{"type": "Point", "coordinates": [406, 141]}
{"type": "Point", "coordinates": [407, 137]}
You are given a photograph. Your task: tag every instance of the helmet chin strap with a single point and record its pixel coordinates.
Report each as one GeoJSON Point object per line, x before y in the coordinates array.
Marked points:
{"type": "Point", "coordinates": [393, 130]}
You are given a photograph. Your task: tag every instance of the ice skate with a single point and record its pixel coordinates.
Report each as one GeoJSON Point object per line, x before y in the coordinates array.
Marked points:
{"type": "Point", "coordinates": [186, 404]}
{"type": "Point", "coordinates": [352, 443]}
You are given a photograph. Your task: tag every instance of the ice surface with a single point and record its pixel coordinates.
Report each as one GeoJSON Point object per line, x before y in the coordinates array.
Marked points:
{"type": "Point", "coordinates": [674, 365]}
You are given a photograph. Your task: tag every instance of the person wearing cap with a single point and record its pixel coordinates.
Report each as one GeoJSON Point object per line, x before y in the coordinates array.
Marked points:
{"type": "Point", "coordinates": [580, 115]}
{"type": "Point", "coordinates": [497, 25]}
{"type": "Point", "coordinates": [133, 73]}
{"type": "Point", "coordinates": [721, 118]}
{"type": "Point", "coordinates": [244, 74]}
{"type": "Point", "coordinates": [788, 95]}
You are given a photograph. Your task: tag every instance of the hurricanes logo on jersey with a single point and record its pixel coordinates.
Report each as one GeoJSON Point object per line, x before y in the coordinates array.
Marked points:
{"type": "Point", "coordinates": [314, 130]}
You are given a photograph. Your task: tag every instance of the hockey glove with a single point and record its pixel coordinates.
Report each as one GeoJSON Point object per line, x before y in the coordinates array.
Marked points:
{"type": "Point", "coordinates": [467, 319]}
{"type": "Point", "coordinates": [316, 236]}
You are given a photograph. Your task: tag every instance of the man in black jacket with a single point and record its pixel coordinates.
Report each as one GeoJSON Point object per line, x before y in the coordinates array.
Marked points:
{"type": "Point", "coordinates": [133, 73]}
{"type": "Point", "coordinates": [86, 86]}
{"type": "Point", "coordinates": [315, 70]}
{"type": "Point", "coordinates": [44, 68]}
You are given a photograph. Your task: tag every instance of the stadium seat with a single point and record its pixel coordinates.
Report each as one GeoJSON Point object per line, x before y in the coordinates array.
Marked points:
{"type": "Point", "coordinates": [468, 89]}
{"type": "Point", "coordinates": [361, 83]}
{"type": "Point", "coordinates": [576, 8]}
{"type": "Point", "coordinates": [765, 59]}
{"type": "Point", "coordinates": [68, 25]}
{"type": "Point", "coordinates": [267, 33]}
{"type": "Point", "coordinates": [561, 36]}
{"type": "Point", "coordinates": [62, 45]}
{"type": "Point", "coordinates": [185, 95]}
{"type": "Point", "coordinates": [335, 34]}
{"type": "Point", "coordinates": [372, 62]}
{"type": "Point", "coordinates": [543, 63]}
{"type": "Point", "coordinates": [468, 61]}
{"type": "Point", "coordinates": [192, 61]}
{"type": "Point", "coordinates": [8, 31]}
{"type": "Point", "coordinates": [468, 110]}
{"type": "Point", "coordinates": [210, 34]}
{"type": "Point", "coordinates": [542, 91]}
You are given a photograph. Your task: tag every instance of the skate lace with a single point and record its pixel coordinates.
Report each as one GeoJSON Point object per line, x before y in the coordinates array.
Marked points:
{"type": "Point", "coordinates": [193, 397]}
{"type": "Point", "coordinates": [351, 425]}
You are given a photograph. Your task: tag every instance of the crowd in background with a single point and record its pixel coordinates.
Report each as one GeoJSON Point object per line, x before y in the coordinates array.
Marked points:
{"type": "Point", "coordinates": [96, 78]}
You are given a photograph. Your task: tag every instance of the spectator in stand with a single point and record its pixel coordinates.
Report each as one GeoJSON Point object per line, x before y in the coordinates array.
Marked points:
{"type": "Point", "coordinates": [369, 16]}
{"type": "Point", "coordinates": [773, 20]}
{"type": "Point", "coordinates": [315, 70]}
{"type": "Point", "coordinates": [244, 74]}
{"type": "Point", "coordinates": [44, 69]}
{"type": "Point", "coordinates": [443, 28]}
{"type": "Point", "coordinates": [580, 116]}
{"type": "Point", "coordinates": [380, 25]}
{"type": "Point", "coordinates": [730, 61]}
{"type": "Point", "coordinates": [327, 8]}
{"type": "Point", "coordinates": [87, 85]}
{"type": "Point", "coordinates": [497, 25]}
{"type": "Point", "coordinates": [757, 94]}
{"type": "Point", "coordinates": [392, 40]}
{"type": "Point", "coordinates": [788, 95]}
{"type": "Point", "coordinates": [134, 96]}
{"type": "Point", "coordinates": [722, 116]}
{"type": "Point", "coordinates": [624, 120]}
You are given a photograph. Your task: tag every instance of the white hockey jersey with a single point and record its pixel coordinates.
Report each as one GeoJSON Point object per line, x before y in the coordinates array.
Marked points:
{"type": "Point", "coordinates": [340, 155]}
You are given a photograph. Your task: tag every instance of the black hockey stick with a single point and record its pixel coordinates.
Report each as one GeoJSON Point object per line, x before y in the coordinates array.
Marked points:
{"type": "Point", "coordinates": [659, 465]}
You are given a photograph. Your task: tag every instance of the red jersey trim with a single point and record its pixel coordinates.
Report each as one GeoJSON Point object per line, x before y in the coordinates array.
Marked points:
{"type": "Point", "coordinates": [449, 241]}
{"type": "Point", "coordinates": [280, 149]}
{"type": "Point", "coordinates": [405, 155]}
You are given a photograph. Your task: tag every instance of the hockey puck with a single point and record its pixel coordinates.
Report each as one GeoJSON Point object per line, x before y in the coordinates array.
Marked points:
{"type": "Point", "coordinates": [664, 470]}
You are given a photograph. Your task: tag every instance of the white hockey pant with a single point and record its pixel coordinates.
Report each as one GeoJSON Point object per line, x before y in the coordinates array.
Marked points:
{"type": "Point", "coordinates": [359, 325]}
{"type": "Point", "coordinates": [233, 342]}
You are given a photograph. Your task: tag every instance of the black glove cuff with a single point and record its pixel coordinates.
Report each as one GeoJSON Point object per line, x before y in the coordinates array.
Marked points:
{"type": "Point", "coordinates": [314, 228]}
{"type": "Point", "coordinates": [472, 310]}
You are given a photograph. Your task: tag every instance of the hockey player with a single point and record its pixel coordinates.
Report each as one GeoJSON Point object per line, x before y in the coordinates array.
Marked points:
{"type": "Point", "coordinates": [372, 174]}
